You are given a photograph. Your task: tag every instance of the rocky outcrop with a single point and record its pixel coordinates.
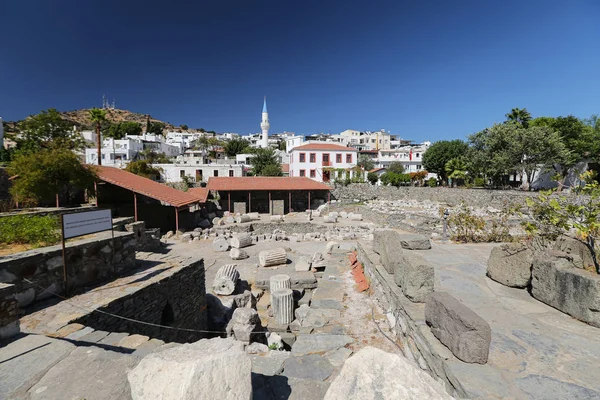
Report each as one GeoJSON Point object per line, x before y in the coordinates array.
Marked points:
{"type": "Point", "coordinates": [374, 374]}
{"type": "Point", "coordinates": [556, 282]}
{"type": "Point", "coordinates": [459, 328]}
{"type": "Point", "coordinates": [582, 257]}
{"type": "Point", "coordinates": [510, 265]}
{"type": "Point", "coordinates": [212, 369]}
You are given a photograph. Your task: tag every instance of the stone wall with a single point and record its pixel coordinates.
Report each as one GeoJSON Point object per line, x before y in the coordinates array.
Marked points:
{"type": "Point", "coordinates": [88, 261]}
{"type": "Point", "coordinates": [145, 239]}
{"type": "Point", "coordinates": [176, 301]}
{"type": "Point", "coordinates": [9, 311]}
{"type": "Point", "coordinates": [451, 196]}
{"type": "Point", "coordinates": [408, 322]}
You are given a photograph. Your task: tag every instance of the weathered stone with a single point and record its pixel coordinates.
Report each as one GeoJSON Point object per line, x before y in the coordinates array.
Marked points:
{"type": "Point", "coordinates": [414, 242]}
{"type": "Point", "coordinates": [510, 265]}
{"type": "Point", "coordinates": [338, 357]}
{"type": "Point", "coordinates": [242, 218]}
{"type": "Point", "coordinates": [241, 240]}
{"type": "Point", "coordinates": [319, 343]}
{"type": "Point", "coordinates": [460, 329]}
{"type": "Point", "coordinates": [329, 219]}
{"type": "Point", "coordinates": [220, 244]}
{"type": "Point", "coordinates": [311, 366]}
{"type": "Point", "coordinates": [238, 254]}
{"type": "Point", "coordinates": [277, 218]}
{"type": "Point", "coordinates": [244, 325]}
{"type": "Point", "coordinates": [282, 301]}
{"type": "Point", "coordinates": [299, 280]}
{"type": "Point", "coordinates": [276, 256]}
{"type": "Point", "coordinates": [331, 247]}
{"type": "Point", "coordinates": [216, 368]}
{"type": "Point", "coordinates": [226, 280]}
{"type": "Point", "coordinates": [257, 348]}
{"type": "Point", "coordinates": [386, 243]}
{"type": "Point", "coordinates": [355, 217]}
{"type": "Point", "coordinates": [274, 341]}
{"type": "Point", "coordinates": [373, 374]}
{"type": "Point", "coordinates": [279, 281]}
{"type": "Point", "coordinates": [302, 264]}
{"type": "Point", "coordinates": [270, 363]}
{"type": "Point", "coordinates": [416, 278]}
{"type": "Point", "coordinates": [577, 249]}
{"type": "Point", "coordinates": [571, 290]}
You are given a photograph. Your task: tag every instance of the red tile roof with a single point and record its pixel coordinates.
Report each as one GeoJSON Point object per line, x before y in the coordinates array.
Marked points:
{"type": "Point", "coordinates": [285, 167]}
{"type": "Point", "coordinates": [376, 169]}
{"type": "Point", "coordinates": [249, 183]}
{"type": "Point", "coordinates": [201, 193]}
{"type": "Point", "coordinates": [324, 146]}
{"type": "Point", "coordinates": [145, 186]}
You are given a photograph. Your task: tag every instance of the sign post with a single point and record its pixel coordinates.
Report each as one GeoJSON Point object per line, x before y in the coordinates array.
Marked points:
{"type": "Point", "coordinates": [79, 224]}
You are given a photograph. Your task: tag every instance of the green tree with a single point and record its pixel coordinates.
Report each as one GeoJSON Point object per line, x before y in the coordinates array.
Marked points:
{"type": "Point", "coordinates": [156, 128]}
{"type": "Point", "coordinates": [456, 169]}
{"type": "Point", "coordinates": [396, 167]}
{"type": "Point", "coordinates": [49, 174]}
{"type": "Point", "coordinates": [263, 158]}
{"type": "Point", "coordinates": [98, 116]}
{"type": "Point", "coordinates": [282, 145]}
{"type": "Point", "coordinates": [122, 129]}
{"type": "Point", "coordinates": [439, 153]}
{"type": "Point", "coordinates": [184, 127]}
{"type": "Point", "coordinates": [152, 157]}
{"type": "Point", "coordinates": [235, 147]}
{"type": "Point", "coordinates": [143, 168]}
{"type": "Point", "coordinates": [45, 130]}
{"type": "Point", "coordinates": [492, 154]}
{"type": "Point", "coordinates": [373, 178]}
{"type": "Point", "coordinates": [519, 116]}
{"type": "Point", "coordinates": [271, 170]}
{"type": "Point", "coordinates": [365, 162]}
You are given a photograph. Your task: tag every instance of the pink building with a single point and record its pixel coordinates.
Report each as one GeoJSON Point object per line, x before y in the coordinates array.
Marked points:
{"type": "Point", "coordinates": [322, 161]}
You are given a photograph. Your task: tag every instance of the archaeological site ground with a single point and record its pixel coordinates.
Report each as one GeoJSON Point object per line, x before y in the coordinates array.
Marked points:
{"type": "Point", "coordinates": [368, 296]}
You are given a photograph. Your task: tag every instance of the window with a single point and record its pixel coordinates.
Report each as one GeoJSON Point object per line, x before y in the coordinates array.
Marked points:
{"type": "Point", "coordinates": [302, 172]}
{"type": "Point", "coordinates": [418, 167]}
{"type": "Point", "coordinates": [313, 157]}
{"type": "Point", "coordinates": [198, 175]}
{"type": "Point", "coordinates": [326, 157]}
{"type": "Point", "coordinates": [417, 155]}
{"type": "Point", "coordinates": [349, 158]}
{"type": "Point", "coordinates": [338, 158]}
{"type": "Point", "coordinates": [302, 157]}
{"type": "Point", "coordinates": [216, 172]}
{"type": "Point", "coordinates": [230, 172]}
{"type": "Point", "coordinates": [181, 173]}
{"type": "Point", "coordinates": [313, 173]}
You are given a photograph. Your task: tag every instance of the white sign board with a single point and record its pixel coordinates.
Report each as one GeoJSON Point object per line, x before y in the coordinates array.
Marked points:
{"type": "Point", "coordinates": [84, 223]}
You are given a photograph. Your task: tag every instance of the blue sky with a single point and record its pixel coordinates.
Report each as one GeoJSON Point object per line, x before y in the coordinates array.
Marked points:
{"type": "Point", "coordinates": [427, 71]}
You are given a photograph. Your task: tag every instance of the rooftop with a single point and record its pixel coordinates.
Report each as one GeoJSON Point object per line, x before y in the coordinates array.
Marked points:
{"type": "Point", "coordinates": [145, 186]}
{"type": "Point", "coordinates": [248, 183]}
{"type": "Point", "coordinates": [324, 146]}
{"type": "Point", "coordinates": [200, 192]}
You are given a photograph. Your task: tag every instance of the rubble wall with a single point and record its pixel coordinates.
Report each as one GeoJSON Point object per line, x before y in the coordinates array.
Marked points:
{"type": "Point", "coordinates": [178, 300]}
{"type": "Point", "coordinates": [88, 261]}
{"type": "Point", "coordinates": [408, 323]}
{"type": "Point", "coordinates": [450, 196]}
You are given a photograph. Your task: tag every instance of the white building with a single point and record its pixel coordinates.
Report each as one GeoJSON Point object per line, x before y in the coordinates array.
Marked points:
{"type": "Point", "coordinates": [118, 153]}
{"type": "Point", "coordinates": [410, 156]}
{"type": "Point", "coordinates": [197, 172]}
{"type": "Point", "coordinates": [182, 139]}
{"type": "Point", "coordinates": [380, 140]}
{"type": "Point", "coordinates": [293, 141]}
{"type": "Point", "coordinates": [264, 126]}
{"type": "Point", "coordinates": [322, 161]}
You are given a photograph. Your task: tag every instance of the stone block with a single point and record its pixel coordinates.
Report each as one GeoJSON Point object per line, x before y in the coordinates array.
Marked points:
{"type": "Point", "coordinates": [416, 278]}
{"type": "Point", "coordinates": [302, 264]}
{"type": "Point", "coordinates": [239, 207]}
{"type": "Point", "coordinates": [277, 207]}
{"type": "Point", "coordinates": [582, 257]}
{"type": "Point", "coordinates": [386, 243]}
{"type": "Point", "coordinates": [510, 265]}
{"type": "Point", "coordinates": [571, 290]}
{"type": "Point", "coordinates": [414, 242]}
{"type": "Point", "coordinates": [465, 333]}
{"type": "Point", "coordinates": [298, 280]}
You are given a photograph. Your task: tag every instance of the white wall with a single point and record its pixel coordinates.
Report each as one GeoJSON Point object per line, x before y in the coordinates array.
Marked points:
{"type": "Point", "coordinates": [172, 172]}
{"type": "Point", "coordinates": [317, 165]}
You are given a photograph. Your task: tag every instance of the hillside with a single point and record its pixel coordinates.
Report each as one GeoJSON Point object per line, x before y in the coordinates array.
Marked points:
{"type": "Point", "coordinates": [81, 118]}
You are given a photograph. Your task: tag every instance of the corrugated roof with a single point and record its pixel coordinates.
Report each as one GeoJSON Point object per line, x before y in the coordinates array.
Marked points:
{"type": "Point", "coordinates": [145, 186]}
{"type": "Point", "coordinates": [324, 146]}
{"type": "Point", "coordinates": [249, 183]}
{"type": "Point", "coordinates": [201, 193]}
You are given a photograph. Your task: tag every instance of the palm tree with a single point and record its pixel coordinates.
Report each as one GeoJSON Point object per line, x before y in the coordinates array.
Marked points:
{"type": "Point", "coordinates": [456, 169]}
{"type": "Point", "coordinates": [519, 116]}
{"type": "Point", "coordinates": [98, 116]}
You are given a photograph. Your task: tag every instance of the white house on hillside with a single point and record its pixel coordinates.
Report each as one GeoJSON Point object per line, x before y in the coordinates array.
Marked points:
{"type": "Point", "coordinates": [319, 161]}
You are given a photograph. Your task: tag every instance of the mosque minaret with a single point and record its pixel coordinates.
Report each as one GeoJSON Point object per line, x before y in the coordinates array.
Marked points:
{"type": "Point", "coordinates": [264, 126]}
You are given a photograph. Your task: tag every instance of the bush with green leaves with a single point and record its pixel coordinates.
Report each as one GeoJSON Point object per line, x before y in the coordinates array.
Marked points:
{"type": "Point", "coordinates": [465, 226]}
{"type": "Point", "coordinates": [31, 230]}
{"type": "Point", "coordinates": [577, 216]}
{"type": "Point", "coordinates": [432, 182]}
{"type": "Point", "coordinates": [372, 178]}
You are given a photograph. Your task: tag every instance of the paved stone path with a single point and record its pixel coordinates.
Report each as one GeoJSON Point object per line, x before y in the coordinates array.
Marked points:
{"type": "Point", "coordinates": [537, 352]}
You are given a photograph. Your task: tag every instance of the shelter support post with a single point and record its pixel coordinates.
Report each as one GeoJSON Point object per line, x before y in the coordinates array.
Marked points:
{"type": "Point", "coordinates": [270, 205]}
{"type": "Point", "coordinates": [176, 220]}
{"type": "Point", "coordinates": [135, 213]}
{"type": "Point", "coordinates": [229, 201]}
{"type": "Point", "coordinates": [309, 199]}
{"type": "Point", "coordinates": [290, 202]}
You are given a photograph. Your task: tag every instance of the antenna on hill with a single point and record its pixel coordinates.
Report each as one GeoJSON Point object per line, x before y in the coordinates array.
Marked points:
{"type": "Point", "coordinates": [113, 103]}
{"type": "Point", "coordinates": [104, 101]}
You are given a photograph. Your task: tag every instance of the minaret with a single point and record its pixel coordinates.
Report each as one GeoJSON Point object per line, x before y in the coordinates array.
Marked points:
{"type": "Point", "coordinates": [264, 125]}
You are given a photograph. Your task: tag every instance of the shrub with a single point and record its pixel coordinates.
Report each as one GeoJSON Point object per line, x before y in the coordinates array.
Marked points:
{"type": "Point", "coordinates": [432, 182]}
{"type": "Point", "coordinates": [467, 227]}
{"type": "Point", "coordinates": [33, 230]}
{"type": "Point", "coordinates": [372, 178]}
{"type": "Point", "coordinates": [479, 182]}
